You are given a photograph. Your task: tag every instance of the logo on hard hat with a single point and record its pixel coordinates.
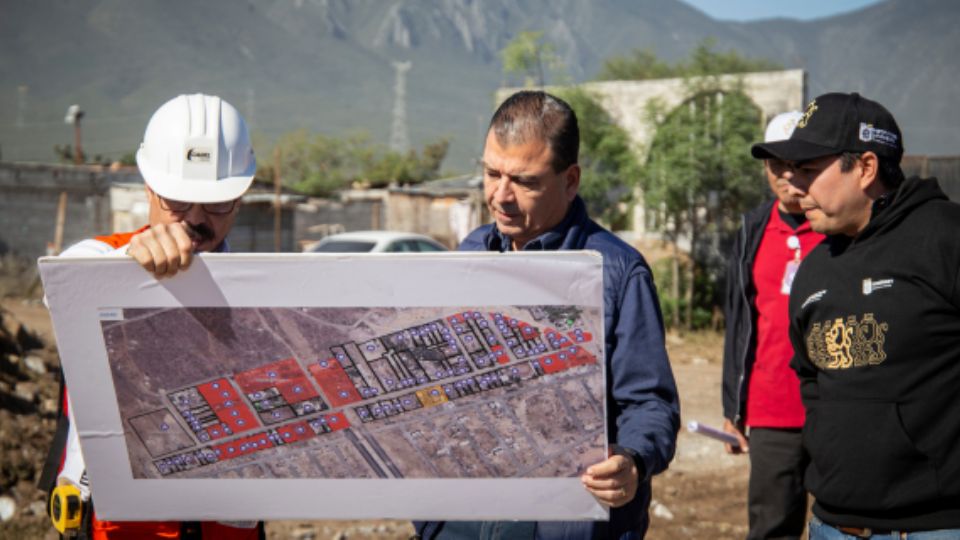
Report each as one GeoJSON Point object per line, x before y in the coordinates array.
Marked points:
{"type": "Point", "coordinates": [198, 154]}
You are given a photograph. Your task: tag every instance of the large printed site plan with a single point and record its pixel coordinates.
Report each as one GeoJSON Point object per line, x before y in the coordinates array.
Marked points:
{"type": "Point", "coordinates": [479, 392]}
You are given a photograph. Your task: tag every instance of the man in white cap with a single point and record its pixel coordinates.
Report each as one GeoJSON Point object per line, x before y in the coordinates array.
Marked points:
{"type": "Point", "coordinates": [196, 161]}
{"type": "Point", "coordinates": [760, 391]}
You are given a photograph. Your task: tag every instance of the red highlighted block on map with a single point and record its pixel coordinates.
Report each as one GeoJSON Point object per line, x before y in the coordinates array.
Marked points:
{"type": "Point", "coordinates": [243, 446]}
{"type": "Point", "coordinates": [579, 336]}
{"type": "Point", "coordinates": [334, 382]}
{"type": "Point", "coordinates": [500, 354]}
{"type": "Point", "coordinates": [337, 421]}
{"type": "Point", "coordinates": [226, 404]}
{"type": "Point", "coordinates": [566, 358]}
{"type": "Point", "coordinates": [581, 357]}
{"type": "Point", "coordinates": [297, 431]}
{"type": "Point", "coordinates": [552, 363]}
{"type": "Point", "coordinates": [285, 375]}
{"type": "Point", "coordinates": [528, 332]}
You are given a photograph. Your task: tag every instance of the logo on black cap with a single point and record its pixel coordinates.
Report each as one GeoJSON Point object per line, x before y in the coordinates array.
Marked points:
{"type": "Point", "coordinates": [811, 108]}
{"type": "Point", "coordinates": [868, 133]}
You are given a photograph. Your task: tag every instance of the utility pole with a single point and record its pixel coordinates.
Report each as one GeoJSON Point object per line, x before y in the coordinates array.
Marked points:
{"type": "Point", "coordinates": [399, 138]}
{"type": "Point", "coordinates": [74, 114]}
{"type": "Point", "coordinates": [61, 219]}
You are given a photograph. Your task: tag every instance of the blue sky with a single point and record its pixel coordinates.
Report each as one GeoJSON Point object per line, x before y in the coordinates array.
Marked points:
{"type": "Point", "coordinates": [749, 10]}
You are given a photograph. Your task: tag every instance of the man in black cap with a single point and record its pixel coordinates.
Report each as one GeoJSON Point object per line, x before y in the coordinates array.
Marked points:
{"type": "Point", "coordinates": [875, 326]}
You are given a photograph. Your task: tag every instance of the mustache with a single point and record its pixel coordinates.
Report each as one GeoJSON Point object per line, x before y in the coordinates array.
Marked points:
{"type": "Point", "coordinates": [200, 232]}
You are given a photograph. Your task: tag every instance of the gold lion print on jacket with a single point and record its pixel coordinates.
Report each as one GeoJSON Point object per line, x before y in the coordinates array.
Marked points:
{"type": "Point", "coordinates": [843, 344]}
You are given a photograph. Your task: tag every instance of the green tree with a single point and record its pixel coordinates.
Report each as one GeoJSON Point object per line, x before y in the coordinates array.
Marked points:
{"type": "Point", "coordinates": [698, 178]}
{"type": "Point", "coordinates": [609, 165]}
{"type": "Point", "coordinates": [65, 155]}
{"type": "Point", "coordinates": [129, 159]}
{"type": "Point", "coordinates": [406, 169]}
{"type": "Point", "coordinates": [641, 64]}
{"type": "Point", "coordinates": [320, 165]}
{"type": "Point", "coordinates": [529, 56]}
{"type": "Point", "coordinates": [316, 164]}
{"type": "Point", "coordinates": [704, 59]}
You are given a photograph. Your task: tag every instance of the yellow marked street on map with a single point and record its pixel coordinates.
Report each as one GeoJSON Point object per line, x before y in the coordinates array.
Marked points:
{"type": "Point", "coordinates": [430, 397]}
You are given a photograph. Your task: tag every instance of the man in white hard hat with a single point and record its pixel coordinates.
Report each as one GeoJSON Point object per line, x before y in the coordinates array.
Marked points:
{"type": "Point", "coordinates": [760, 391]}
{"type": "Point", "coordinates": [197, 161]}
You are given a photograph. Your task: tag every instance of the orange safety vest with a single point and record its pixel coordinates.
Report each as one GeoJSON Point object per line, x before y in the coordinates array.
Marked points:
{"type": "Point", "coordinates": [118, 240]}
{"type": "Point", "coordinates": [137, 530]}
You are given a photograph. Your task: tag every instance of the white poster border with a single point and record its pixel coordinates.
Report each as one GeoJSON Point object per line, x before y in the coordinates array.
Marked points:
{"type": "Point", "coordinates": [303, 280]}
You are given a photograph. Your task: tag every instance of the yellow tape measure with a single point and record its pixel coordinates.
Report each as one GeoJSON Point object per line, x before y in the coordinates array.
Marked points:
{"type": "Point", "coordinates": [65, 506]}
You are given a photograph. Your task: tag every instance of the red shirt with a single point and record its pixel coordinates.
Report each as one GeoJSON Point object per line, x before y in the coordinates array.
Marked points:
{"type": "Point", "coordinates": [773, 394]}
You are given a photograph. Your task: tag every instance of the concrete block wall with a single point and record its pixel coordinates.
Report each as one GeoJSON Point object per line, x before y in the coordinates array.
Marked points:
{"type": "Point", "coordinates": [253, 231]}
{"type": "Point", "coordinates": [773, 92]}
{"type": "Point", "coordinates": [423, 214]}
{"type": "Point", "coordinates": [322, 217]}
{"type": "Point", "coordinates": [30, 193]}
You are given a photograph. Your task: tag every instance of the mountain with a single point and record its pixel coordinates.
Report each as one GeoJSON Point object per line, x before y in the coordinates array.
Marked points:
{"type": "Point", "coordinates": [326, 65]}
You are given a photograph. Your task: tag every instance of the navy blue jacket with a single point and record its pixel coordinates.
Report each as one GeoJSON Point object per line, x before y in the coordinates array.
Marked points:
{"type": "Point", "coordinates": [642, 403]}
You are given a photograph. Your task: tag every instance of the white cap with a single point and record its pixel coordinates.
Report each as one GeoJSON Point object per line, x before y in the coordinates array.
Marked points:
{"type": "Point", "coordinates": [196, 149]}
{"type": "Point", "coordinates": [781, 127]}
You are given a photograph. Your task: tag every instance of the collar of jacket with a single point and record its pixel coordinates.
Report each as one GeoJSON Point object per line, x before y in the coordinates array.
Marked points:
{"type": "Point", "coordinates": [568, 234]}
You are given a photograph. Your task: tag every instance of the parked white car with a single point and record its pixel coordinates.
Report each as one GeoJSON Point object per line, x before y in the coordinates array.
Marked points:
{"type": "Point", "coordinates": [376, 242]}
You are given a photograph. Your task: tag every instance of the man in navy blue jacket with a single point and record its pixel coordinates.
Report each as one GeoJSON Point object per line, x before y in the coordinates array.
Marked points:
{"type": "Point", "coordinates": [531, 178]}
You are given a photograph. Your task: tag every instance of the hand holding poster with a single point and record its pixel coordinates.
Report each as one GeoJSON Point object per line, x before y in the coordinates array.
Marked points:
{"type": "Point", "coordinates": [311, 386]}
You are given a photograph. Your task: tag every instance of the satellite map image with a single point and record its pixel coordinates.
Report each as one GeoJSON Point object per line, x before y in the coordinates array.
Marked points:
{"type": "Point", "coordinates": [473, 392]}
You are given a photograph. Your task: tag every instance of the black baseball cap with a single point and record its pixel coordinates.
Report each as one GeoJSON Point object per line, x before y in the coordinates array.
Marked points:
{"type": "Point", "coordinates": [836, 123]}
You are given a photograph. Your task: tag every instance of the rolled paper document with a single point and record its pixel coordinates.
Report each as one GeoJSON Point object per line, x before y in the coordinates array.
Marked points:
{"type": "Point", "coordinates": [696, 427]}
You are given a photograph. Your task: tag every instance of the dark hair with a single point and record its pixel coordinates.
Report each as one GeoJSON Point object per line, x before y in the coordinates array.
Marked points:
{"type": "Point", "coordinates": [888, 171]}
{"type": "Point", "coordinates": [530, 114]}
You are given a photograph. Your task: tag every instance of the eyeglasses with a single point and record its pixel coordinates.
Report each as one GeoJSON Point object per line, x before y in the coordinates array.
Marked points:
{"type": "Point", "coordinates": [217, 208]}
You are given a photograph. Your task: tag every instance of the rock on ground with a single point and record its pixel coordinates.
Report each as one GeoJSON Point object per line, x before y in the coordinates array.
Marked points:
{"type": "Point", "coordinates": [28, 406]}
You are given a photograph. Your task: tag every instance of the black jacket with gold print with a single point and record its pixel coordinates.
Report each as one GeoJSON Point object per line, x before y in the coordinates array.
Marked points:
{"type": "Point", "coordinates": [875, 323]}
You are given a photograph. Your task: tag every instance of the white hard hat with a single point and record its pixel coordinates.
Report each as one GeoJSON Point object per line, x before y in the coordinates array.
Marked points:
{"type": "Point", "coordinates": [196, 149]}
{"type": "Point", "coordinates": [781, 127]}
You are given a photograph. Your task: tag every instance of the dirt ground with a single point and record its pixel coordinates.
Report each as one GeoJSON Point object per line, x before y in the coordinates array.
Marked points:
{"type": "Point", "coordinates": [704, 492]}
{"type": "Point", "coordinates": [702, 495]}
